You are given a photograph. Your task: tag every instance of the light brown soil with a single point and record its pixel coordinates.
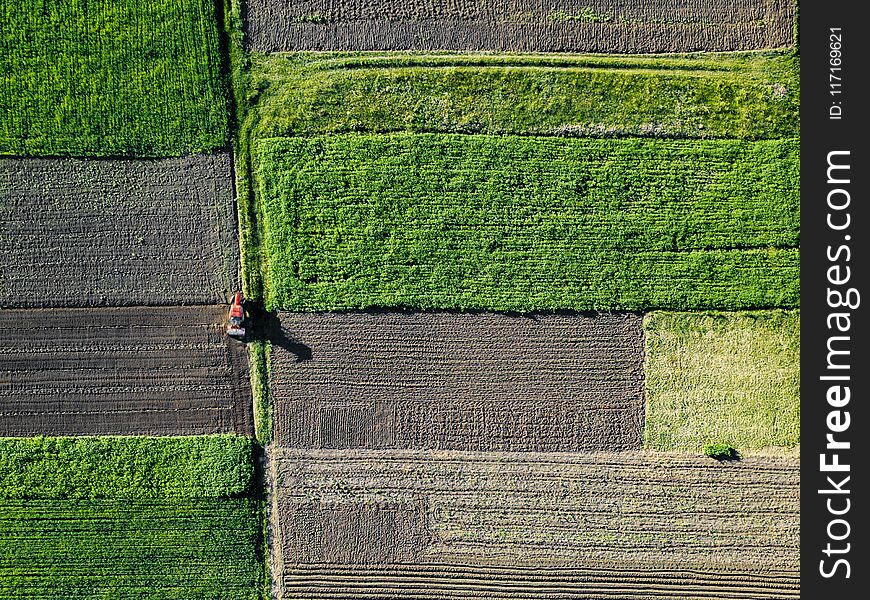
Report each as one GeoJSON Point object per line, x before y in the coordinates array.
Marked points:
{"type": "Point", "coordinates": [499, 525]}
{"type": "Point", "coordinates": [617, 26]}
{"type": "Point", "coordinates": [121, 371]}
{"type": "Point", "coordinates": [458, 381]}
{"type": "Point", "coordinates": [117, 232]}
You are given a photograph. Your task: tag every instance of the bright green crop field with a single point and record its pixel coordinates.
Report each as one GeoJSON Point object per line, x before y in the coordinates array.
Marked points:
{"type": "Point", "coordinates": [730, 378]}
{"type": "Point", "coordinates": [111, 77]}
{"type": "Point", "coordinates": [130, 518]}
{"type": "Point", "coordinates": [523, 224]}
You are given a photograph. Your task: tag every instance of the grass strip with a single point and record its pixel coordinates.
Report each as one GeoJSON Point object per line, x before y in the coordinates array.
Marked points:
{"type": "Point", "coordinates": [735, 95]}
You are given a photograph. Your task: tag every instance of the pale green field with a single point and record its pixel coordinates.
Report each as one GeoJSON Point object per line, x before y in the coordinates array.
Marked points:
{"type": "Point", "coordinates": [730, 378]}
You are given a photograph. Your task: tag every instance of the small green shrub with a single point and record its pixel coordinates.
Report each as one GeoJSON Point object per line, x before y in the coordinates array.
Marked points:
{"type": "Point", "coordinates": [721, 452]}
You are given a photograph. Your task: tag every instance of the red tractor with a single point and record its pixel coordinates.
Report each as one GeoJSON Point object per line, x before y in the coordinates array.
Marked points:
{"type": "Point", "coordinates": [236, 321]}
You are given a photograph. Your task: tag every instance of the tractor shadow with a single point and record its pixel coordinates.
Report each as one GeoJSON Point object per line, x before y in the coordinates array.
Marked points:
{"type": "Point", "coordinates": [265, 326]}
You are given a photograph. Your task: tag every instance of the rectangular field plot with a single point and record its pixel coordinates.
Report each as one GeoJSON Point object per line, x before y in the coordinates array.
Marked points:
{"type": "Point", "coordinates": [722, 378]}
{"type": "Point", "coordinates": [157, 371]}
{"type": "Point", "coordinates": [460, 382]}
{"type": "Point", "coordinates": [730, 95]}
{"type": "Point", "coordinates": [520, 25]}
{"type": "Point", "coordinates": [117, 232]}
{"type": "Point", "coordinates": [524, 224]}
{"type": "Point", "coordinates": [78, 549]}
{"type": "Point", "coordinates": [365, 524]}
{"type": "Point", "coordinates": [111, 78]}
{"type": "Point", "coordinates": [129, 518]}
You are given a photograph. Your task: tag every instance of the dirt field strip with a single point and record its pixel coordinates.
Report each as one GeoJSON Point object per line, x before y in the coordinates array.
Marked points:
{"type": "Point", "coordinates": [121, 371]}
{"type": "Point", "coordinates": [520, 25]}
{"type": "Point", "coordinates": [117, 232]}
{"type": "Point", "coordinates": [365, 524]}
{"type": "Point", "coordinates": [458, 381]}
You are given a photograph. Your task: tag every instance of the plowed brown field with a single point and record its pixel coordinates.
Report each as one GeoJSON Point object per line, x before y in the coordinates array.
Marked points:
{"type": "Point", "coordinates": [117, 232]}
{"type": "Point", "coordinates": [458, 381]}
{"type": "Point", "coordinates": [520, 25]}
{"type": "Point", "coordinates": [369, 524]}
{"type": "Point", "coordinates": [120, 371]}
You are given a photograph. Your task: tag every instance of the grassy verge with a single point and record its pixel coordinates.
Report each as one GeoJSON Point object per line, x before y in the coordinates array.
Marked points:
{"type": "Point", "coordinates": [723, 378]}
{"type": "Point", "coordinates": [523, 224]}
{"type": "Point", "coordinates": [111, 78]}
{"type": "Point", "coordinates": [735, 95]}
{"type": "Point", "coordinates": [129, 517]}
{"type": "Point", "coordinates": [259, 357]}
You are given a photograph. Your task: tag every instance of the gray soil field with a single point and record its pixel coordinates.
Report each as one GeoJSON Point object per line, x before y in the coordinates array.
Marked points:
{"type": "Point", "coordinates": [458, 381]}
{"type": "Point", "coordinates": [121, 371]}
{"type": "Point", "coordinates": [400, 524]}
{"type": "Point", "coordinates": [117, 232]}
{"type": "Point", "coordinates": [520, 25]}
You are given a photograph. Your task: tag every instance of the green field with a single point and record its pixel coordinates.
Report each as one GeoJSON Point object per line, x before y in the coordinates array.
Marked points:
{"type": "Point", "coordinates": [125, 467]}
{"type": "Point", "coordinates": [731, 378]}
{"type": "Point", "coordinates": [735, 95]}
{"type": "Point", "coordinates": [524, 224]}
{"type": "Point", "coordinates": [753, 95]}
{"type": "Point", "coordinates": [111, 77]}
{"type": "Point", "coordinates": [131, 518]}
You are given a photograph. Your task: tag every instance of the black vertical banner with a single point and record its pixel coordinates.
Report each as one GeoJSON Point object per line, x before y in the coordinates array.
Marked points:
{"type": "Point", "coordinates": [835, 351]}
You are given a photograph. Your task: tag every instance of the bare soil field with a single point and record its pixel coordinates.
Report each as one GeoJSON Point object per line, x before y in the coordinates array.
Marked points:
{"type": "Point", "coordinates": [117, 232]}
{"type": "Point", "coordinates": [458, 381]}
{"type": "Point", "coordinates": [614, 525]}
{"type": "Point", "coordinates": [121, 371]}
{"type": "Point", "coordinates": [616, 26]}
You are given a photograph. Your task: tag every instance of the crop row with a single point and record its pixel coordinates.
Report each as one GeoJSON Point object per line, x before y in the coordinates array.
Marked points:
{"type": "Point", "coordinates": [523, 224]}
{"type": "Point", "coordinates": [556, 383]}
{"type": "Point", "coordinates": [111, 77]}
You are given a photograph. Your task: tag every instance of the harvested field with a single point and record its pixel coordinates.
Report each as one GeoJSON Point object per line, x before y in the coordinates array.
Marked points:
{"type": "Point", "coordinates": [520, 25]}
{"type": "Point", "coordinates": [458, 381]}
{"type": "Point", "coordinates": [726, 378]}
{"type": "Point", "coordinates": [367, 524]}
{"type": "Point", "coordinates": [129, 518]}
{"type": "Point", "coordinates": [743, 95]}
{"type": "Point", "coordinates": [117, 232]}
{"type": "Point", "coordinates": [511, 223]}
{"type": "Point", "coordinates": [154, 371]}
{"type": "Point", "coordinates": [111, 78]}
